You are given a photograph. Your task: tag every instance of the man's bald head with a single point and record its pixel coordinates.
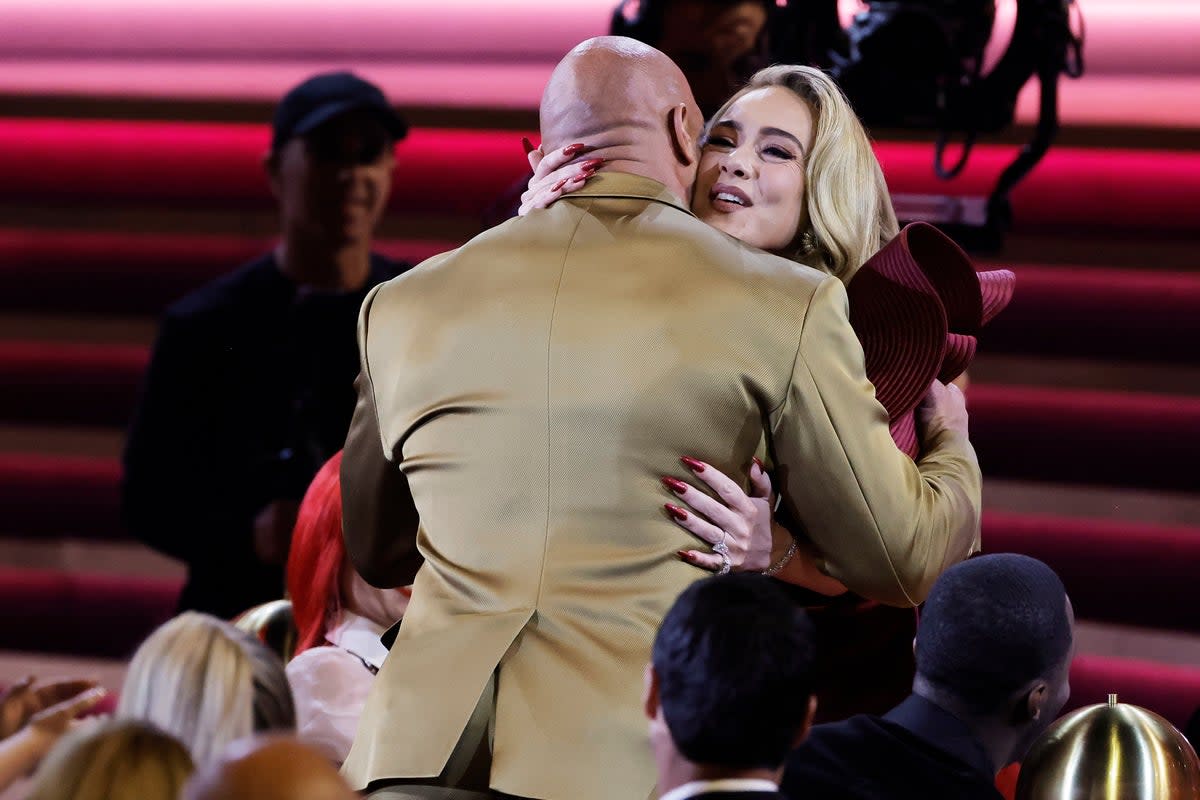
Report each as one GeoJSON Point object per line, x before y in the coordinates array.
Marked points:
{"type": "Point", "coordinates": [616, 92]}
{"type": "Point", "coordinates": [269, 768]}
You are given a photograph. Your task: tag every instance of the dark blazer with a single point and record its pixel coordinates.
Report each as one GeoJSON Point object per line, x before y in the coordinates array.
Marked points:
{"type": "Point", "coordinates": [916, 750]}
{"type": "Point", "coordinates": [250, 388]}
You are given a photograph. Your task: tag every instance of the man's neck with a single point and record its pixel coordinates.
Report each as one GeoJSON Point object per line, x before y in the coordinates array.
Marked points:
{"type": "Point", "coordinates": [625, 152]}
{"type": "Point", "coordinates": [342, 268]}
{"type": "Point", "coordinates": [666, 177]}
{"type": "Point", "coordinates": [997, 739]}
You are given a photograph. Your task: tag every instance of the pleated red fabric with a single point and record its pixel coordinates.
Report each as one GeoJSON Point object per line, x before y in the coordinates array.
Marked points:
{"type": "Point", "coordinates": [917, 306]}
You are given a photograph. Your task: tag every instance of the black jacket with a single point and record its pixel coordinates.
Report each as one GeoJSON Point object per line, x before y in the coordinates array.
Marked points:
{"type": "Point", "coordinates": [917, 750]}
{"type": "Point", "coordinates": [250, 389]}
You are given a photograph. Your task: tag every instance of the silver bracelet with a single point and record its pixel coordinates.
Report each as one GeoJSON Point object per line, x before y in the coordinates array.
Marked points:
{"type": "Point", "coordinates": [782, 562]}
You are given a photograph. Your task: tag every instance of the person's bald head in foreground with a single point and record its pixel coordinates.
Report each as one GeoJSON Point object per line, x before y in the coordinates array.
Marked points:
{"type": "Point", "coordinates": [269, 768]}
{"type": "Point", "coordinates": [631, 104]}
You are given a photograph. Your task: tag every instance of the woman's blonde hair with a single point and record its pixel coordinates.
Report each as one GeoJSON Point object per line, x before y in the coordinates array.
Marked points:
{"type": "Point", "coordinates": [849, 210]}
{"type": "Point", "coordinates": [207, 683]}
{"type": "Point", "coordinates": [117, 759]}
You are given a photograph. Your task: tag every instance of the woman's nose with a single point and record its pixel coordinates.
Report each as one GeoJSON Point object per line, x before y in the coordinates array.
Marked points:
{"type": "Point", "coordinates": [736, 164]}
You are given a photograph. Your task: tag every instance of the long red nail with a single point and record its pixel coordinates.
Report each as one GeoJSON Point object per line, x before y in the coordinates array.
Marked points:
{"type": "Point", "coordinates": [683, 554]}
{"type": "Point", "coordinates": [573, 149]}
{"type": "Point", "coordinates": [676, 512]}
{"type": "Point", "coordinates": [692, 464]}
{"type": "Point", "coordinates": [675, 485]}
{"type": "Point", "coordinates": [592, 163]}
{"type": "Point", "coordinates": [756, 460]}
{"type": "Point", "coordinates": [528, 145]}
{"type": "Point", "coordinates": [559, 185]}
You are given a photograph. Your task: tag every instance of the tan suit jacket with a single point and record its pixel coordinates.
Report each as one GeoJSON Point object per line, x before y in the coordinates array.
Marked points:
{"type": "Point", "coordinates": [521, 397]}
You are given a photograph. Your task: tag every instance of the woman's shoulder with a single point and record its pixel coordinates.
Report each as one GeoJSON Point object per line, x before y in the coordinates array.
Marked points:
{"type": "Point", "coordinates": [319, 663]}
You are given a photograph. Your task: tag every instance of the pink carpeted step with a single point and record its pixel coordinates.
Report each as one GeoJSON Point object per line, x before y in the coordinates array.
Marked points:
{"type": "Point", "coordinates": [1057, 435]}
{"type": "Point", "coordinates": [121, 273]}
{"type": "Point", "coordinates": [1078, 312]}
{"type": "Point", "coordinates": [1131, 573]}
{"type": "Point", "coordinates": [1076, 436]}
{"type": "Point", "coordinates": [1167, 690]}
{"type": "Point", "coordinates": [102, 616]}
{"type": "Point", "coordinates": [460, 173]}
{"type": "Point", "coordinates": [74, 384]}
{"type": "Point", "coordinates": [57, 496]}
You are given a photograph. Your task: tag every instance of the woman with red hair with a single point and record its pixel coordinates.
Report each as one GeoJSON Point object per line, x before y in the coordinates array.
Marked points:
{"type": "Point", "coordinates": [339, 619]}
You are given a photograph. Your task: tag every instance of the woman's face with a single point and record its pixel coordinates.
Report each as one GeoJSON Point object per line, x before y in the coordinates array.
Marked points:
{"type": "Point", "coordinates": [751, 179]}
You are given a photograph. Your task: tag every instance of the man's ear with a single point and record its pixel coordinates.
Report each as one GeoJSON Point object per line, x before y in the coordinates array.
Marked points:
{"type": "Point", "coordinates": [683, 143]}
{"type": "Point", "coordinates": [270, 165]}
{"type": "Point", "coordinates": [802, 733]}
{"type": "Point", "coordinates": [1034, 700]}
{"type": "Point", "coordinates": [650, 692]}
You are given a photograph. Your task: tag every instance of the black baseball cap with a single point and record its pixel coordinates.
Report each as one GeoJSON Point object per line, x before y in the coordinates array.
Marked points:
{"type": "Point", "coordinates": [325, 96]}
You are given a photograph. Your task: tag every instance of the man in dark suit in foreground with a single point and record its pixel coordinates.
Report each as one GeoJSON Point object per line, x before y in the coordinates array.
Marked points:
{"type": "Point", "coordinates": [993, 654]}
{"type": "Point", "coordinates": [729, 689]}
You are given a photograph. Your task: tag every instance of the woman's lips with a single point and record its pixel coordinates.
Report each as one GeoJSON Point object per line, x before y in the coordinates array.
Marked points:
{"type": "Point", "coordinates": [724, 197]}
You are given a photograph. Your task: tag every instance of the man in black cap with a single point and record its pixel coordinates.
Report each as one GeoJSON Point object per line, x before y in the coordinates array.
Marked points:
{"type": "Point", "coordinates": [251, 384]}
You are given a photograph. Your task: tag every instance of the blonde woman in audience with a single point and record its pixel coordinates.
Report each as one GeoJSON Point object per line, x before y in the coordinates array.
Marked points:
{"type": "Point", "coordinates": [116, 759]}
{"type": "Point", "coordinates": [204, 681]}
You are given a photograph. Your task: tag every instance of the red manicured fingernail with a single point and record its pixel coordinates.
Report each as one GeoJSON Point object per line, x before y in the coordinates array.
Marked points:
{"type": "Point", "coordinates": [759, 463]}
{"type": "Point", "coordinates": [573, 149]}
{"type": "Point", "coordinates": [692, 464]}
{"type": "Point", "coordinates": [675, 485]}
{"type": "Point", "coordinates": [559, 185]}
{"type": "Point", "coordinates": [581, 177]}
{"type": "Point", "coordinates": [592, 163]}
{"type": "Point", "coordinates": [683, 554]}
{"type": "Point", "coordinates": [528, 145]}
{"type": "Point", "coordinates": [676, 512]}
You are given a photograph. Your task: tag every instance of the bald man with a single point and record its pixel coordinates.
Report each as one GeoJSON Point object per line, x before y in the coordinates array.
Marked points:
{"type": "Point", "coordinates": [269, 768]}
{"type": "Point", "coordinates": [519, 401]}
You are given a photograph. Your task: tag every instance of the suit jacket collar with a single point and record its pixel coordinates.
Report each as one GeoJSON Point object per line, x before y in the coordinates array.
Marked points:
{"type": "Point", "coordinates": [627, 185]}
{"type": "Point", "coordinates": [722, 786]}
{"type": "Point", "coordinates": [942, 730]}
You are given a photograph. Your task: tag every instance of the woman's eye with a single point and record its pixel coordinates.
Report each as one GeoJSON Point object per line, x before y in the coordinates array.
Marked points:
{"type": "Point", "coordinates": [719, 141]}
{"type": "Point", "coordinates": [778, 152]}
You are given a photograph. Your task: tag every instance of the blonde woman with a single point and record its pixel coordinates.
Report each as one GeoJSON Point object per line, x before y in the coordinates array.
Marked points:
{"type": "Point", "coordinates": [207, 683]}
{"type": "Point", "coordinates": [117, 759]}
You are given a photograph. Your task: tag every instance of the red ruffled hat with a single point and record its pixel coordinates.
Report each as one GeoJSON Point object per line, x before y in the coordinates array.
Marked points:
{"type": "Point", "coordinates": [917, 306]}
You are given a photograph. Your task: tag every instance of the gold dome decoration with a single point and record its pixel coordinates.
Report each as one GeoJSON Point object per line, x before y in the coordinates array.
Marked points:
{"type": "Point", "coordinates": [1111, 751]}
